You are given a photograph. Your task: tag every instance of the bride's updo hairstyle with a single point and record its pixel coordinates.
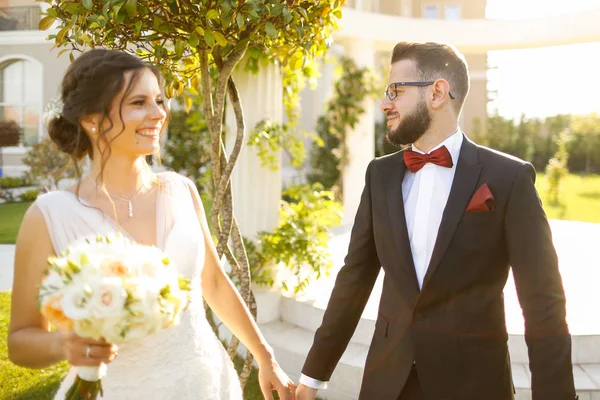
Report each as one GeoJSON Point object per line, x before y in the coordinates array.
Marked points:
{"type": "Point", "coordinates": [89, 86]}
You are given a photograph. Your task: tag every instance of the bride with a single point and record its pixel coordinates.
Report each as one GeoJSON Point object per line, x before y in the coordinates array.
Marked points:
{"type": "Point", "coordinates": [113, 111]}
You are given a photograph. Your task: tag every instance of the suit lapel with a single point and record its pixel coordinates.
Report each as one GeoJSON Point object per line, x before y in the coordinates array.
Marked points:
{"type": "Point", "coordinates": [466, 176]}
{"type": "Point", "coordinates": [398, 217]}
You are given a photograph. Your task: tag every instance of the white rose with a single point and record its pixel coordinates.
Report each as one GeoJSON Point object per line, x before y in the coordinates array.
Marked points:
{"type": "Point", "coordinates": [113, 328]}
{"type": "Point", "coordinates": [148, 316]}
{"type": "Point", "coordinates": [89, 328]}
{"type": "Point", "coordinates": [76, 302]}
{"type": "Point", "coordinates": [108, 298]}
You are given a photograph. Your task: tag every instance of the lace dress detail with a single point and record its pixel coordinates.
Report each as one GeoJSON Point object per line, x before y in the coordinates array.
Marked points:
{"type": "Point", "coordinates": [183, 362]}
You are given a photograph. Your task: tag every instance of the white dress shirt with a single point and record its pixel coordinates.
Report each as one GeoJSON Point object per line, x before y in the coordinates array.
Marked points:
{"type": "Point", "coordinates": [425, 194]}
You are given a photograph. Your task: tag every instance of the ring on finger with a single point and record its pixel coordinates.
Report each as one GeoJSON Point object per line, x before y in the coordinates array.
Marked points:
{"type": "Point", "coordinates": [88, 351]}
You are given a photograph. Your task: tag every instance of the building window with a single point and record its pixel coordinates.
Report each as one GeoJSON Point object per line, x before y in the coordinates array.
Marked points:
{"type": "Point", "coordinates": [19, 18]}
{"type": "Point", "coordinates": [21, 96]}
{"type": "Point", "coordinates": [431, 11]}
{"type": "Point", "coordinates": [452, 11]}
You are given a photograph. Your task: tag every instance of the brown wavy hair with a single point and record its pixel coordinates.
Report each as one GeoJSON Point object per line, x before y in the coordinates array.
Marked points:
{"type": "Point", "coordinates": [89, 86]}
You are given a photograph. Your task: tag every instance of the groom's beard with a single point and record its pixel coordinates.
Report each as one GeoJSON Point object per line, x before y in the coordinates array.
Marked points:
{"type": "Point", "coordinates": [411, 127]}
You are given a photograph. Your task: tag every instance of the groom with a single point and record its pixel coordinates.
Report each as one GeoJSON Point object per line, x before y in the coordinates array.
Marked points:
{"type": "Point", "coordinates": [446, 219]}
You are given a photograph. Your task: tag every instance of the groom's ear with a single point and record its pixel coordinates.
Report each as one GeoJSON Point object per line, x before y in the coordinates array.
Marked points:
{"type": "Point", "coordinates": [440, 93]}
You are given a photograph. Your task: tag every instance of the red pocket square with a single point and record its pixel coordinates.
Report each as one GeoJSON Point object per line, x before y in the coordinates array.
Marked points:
{"type": "Point", "coordinates": [482, 200]}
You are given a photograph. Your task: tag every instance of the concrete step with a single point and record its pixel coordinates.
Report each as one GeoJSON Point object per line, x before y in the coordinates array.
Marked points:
{"type": "Point", "coordinates": [292, 342]}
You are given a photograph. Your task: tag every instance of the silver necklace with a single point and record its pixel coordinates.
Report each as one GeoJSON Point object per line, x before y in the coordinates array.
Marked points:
{"type": "Point", "coordinates": [129, 201]}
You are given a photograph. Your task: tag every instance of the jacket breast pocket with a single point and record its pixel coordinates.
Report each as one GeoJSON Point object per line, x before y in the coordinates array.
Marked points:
{"type": "Point", "coordinates": [479, 230]}
{"type": "Point", "coordinates": [479, 217]}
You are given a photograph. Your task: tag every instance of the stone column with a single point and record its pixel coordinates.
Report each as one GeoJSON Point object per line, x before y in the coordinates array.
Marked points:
{"type": "Point", "coordinates": [360, 141]}
{"type": "Point", "coordinates": [256, 190]}
{"type": "Point", "coordinates": [406, 8]}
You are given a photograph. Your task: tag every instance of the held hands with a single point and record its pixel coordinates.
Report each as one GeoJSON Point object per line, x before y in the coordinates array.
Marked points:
{"type": "Point", "coordinates": [271, 377]}
{"type": "Point", "coordinates": [87, 352]}
{"type": "Point", "coordinates": [305, 393]}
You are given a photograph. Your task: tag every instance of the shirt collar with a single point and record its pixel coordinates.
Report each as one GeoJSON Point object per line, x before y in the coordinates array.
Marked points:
{"type": "Point", "coordinates": [453, 144]}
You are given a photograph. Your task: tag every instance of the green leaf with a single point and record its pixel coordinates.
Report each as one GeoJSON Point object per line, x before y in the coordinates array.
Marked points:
{"type": "Point", "coordinates": [270, 28]}
{"type": "Point", "coordinates": [200, 30]}
{"type": "Point", "coordinates": [63, 51]}
{"type": "Point", "coordinates": [60, 36]}
{"type": "Point", "coordinates": [193, 40]}
{"type": "Point", "coordinates": [212, 14]}
{"type": "Point", "coordinates": [226, 21]}
{"type": "Point", "coordinates": [226, 8]}
{"type": "Point", "coordinates": [131, 8]}
{"type": "Point", "coordinates": [88, 4]}
{"type": "Point", "coordinates": [209, 39]}
{"type": "Point", "coordinates": [188, 102]}
{"type": "Point", "coordinates": [287, 16]}
{"type": "Point", "coordinates": [138, 27]}
{"type": "Point", "coordinates": [304, 13]}
{"type": "Point", "coordinates": [46, 23]}
{"type": "Point", "coordinates": [221, 40]}
{"type": "Point", "coordinates": [240, 20]}
{"type": "Point", "coordinates": [179, 48]}
{"type": "Point", "coordinates": [51, 12]}
{"type": "Point", "coordinates": [277, 10]}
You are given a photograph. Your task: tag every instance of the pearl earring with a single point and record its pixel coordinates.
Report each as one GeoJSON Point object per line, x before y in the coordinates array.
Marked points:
{"type": "Point", "coordinates": [93, 129]}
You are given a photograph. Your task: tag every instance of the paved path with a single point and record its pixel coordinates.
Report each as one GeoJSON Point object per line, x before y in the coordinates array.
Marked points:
{"type": "Point", "coordinates": [6, 266]}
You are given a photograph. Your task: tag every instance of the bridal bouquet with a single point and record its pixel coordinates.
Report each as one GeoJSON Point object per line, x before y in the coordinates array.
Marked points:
{"type": "Point", "coordinates": [108, 287]}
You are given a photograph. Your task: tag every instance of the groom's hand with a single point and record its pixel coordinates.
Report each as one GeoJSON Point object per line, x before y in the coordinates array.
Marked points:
{"type": "Point", "coordinates": [305, 393]}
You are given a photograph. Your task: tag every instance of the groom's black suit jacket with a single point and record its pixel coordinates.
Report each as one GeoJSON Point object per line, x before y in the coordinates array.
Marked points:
{"type": "Point", "coordinates": [454, 329]}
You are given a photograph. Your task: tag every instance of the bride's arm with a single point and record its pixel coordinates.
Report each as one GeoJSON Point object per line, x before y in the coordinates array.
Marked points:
{"type": "Point", "coordinates": [223, 298]}
{"type": "Point", "coordinates": [30, 343]}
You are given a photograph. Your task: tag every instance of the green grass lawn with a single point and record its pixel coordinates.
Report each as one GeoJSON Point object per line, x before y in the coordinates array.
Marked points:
{"type": "Point", "coordinates": [579, 198]}
{"type": "Point", "coordinates": [18, 383]}
{"type": "Point", "coordinates": [11, 215]}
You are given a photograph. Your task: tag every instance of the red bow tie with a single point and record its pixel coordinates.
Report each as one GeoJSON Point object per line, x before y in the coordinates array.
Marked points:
{"type": "Point", "coordinates": [415, 161]}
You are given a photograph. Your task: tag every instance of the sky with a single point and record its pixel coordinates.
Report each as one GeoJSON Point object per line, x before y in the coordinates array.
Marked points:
{"type": "Point", "coordinates": [529, 81]}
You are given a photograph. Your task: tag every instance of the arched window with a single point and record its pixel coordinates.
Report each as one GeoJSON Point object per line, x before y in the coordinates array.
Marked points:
{"type": "Point", "coordinates": [21, 96]}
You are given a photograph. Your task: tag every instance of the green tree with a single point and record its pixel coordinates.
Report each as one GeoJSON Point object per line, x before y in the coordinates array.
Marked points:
{"type": "Point", "coordinates": [342, 112]}
{"type": "Point", "coordinates": [587, 126]}
{"type": "Point", "coordinates": [47, 164]}
{"type": "Point", "coordinates": [187, 149]}
{"type": "Point", "coordinates": [197, 45]}
{"type": "Point", "coordinates": [556, 169]}
{"type": "Point", "coordinates": [10, 135]}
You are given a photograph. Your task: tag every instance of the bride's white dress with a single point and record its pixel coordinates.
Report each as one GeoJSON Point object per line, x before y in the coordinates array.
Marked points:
{"type": "Point", "coordinates": [182, 362]}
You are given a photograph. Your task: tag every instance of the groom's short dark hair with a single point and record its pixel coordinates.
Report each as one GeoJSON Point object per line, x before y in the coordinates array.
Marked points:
{"type": "Point", "coordinates": [435, 61]}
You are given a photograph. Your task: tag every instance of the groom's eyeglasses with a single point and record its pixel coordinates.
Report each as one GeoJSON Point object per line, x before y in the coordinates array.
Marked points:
{"type": "Point", "coordinates": [392, 90]}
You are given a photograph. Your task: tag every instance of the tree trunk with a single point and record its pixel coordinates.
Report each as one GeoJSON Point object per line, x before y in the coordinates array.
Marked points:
{"type": "Point", "coordinates": [223, 222]}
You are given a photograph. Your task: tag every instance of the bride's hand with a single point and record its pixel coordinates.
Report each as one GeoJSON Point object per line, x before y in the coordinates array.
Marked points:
{"type": "Point", "coordinates": [87, 352]}
{"type": "Point", "coordinates": [271, 377]}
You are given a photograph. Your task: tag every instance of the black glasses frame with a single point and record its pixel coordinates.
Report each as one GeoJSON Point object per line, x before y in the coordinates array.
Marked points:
{"type": "Point", "coordinates": [392, 94]}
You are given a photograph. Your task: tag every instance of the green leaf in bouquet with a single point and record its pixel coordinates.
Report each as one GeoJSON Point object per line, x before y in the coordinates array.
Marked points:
{"type": "Point", "coordinates": [74, 268]}
{"type": "Point", "coordinates": [165, 291]}
{"type": "Point", "coordinates": [184, 283]}
{"type": "Point", "coordinates": [166, 261]}
{"type": "Point", "coordinates": [85, 259]}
